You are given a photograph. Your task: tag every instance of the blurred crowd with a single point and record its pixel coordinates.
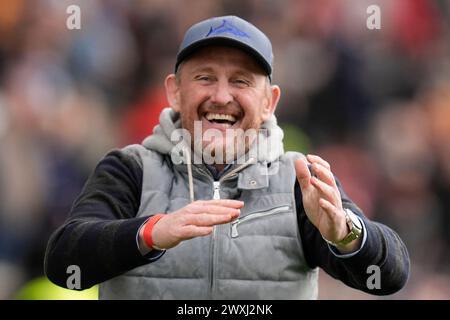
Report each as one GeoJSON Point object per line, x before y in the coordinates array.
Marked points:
{"type": "Point", "coordinates": [374, 103]}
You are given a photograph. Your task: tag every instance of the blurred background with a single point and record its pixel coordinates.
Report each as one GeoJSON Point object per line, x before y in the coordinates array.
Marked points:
{"type": "Point", "coordinates": [374, 103]}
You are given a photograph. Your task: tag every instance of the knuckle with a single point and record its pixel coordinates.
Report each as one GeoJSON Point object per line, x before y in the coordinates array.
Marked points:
{"type": "Point", "coordinates": [177, 233]}
{"type": "Point", "coordinates": [337, 193]}
{"type": "Point", "coordinates": [181, 234]}
{"type": "Point", "coordinates": [195, 207]}
{"type": "Point", "coordinates": [184, 219]}
{"type": "Point", "coordinates": [198, 219]}
{"type": "Point", "coordinates": [187, 209]}
{"type": "Point", "coordinates": [188, 232]}
{"type": "Point", "coordinates": [196, 204]}
{"type": "Point", "coordinates": [222, 217]}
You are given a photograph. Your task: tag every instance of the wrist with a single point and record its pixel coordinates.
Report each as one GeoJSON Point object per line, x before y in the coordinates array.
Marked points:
{"type": "Point", "coordinates": [147, 232]}
{"type": "Point", "coordinates": [353, 239]}
{"type": "Point", "coordinates": [350, 247]}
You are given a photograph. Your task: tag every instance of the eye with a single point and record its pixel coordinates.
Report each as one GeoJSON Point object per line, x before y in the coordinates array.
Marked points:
{"type": "Point", "coordinates": [203, 77]}
{"type": "Point", "coordinates": [241, 82]}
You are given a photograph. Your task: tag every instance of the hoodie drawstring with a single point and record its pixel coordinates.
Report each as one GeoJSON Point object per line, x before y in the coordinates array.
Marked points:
{"type": "Point", "coordinates": [187, 152]}
{"type": "Point", "coordinates": [189, 169]}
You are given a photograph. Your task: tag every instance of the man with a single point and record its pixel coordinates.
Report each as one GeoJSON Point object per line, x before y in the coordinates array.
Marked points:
{"type": "Point", "coordinates": [202, 211]}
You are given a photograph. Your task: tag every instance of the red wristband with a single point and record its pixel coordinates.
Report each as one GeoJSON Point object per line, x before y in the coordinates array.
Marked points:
{"type": "Point", "coordinates": [148, 228]}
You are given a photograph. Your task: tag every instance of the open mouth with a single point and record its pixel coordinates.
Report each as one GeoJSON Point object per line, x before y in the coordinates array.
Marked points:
{"type": "Point", "coordinates": [220, 118]}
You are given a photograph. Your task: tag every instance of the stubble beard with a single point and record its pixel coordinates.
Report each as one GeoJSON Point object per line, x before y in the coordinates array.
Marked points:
{"type": "Point", "coordinates": [217, 147]}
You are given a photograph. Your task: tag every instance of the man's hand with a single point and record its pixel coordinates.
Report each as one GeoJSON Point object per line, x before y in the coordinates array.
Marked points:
{"type": "Point", "coordinates": [322, 200]}
{"type": "Point", "coordinates": [194, 220]}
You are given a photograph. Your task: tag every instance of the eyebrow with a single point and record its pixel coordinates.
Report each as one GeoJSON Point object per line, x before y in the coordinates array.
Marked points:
{"type": "Point", "coordinates": [244, 73]}
{"type": "Point", "coordinates": [208, 69]}
{"type": "Point", "coordinates": [202, 69]}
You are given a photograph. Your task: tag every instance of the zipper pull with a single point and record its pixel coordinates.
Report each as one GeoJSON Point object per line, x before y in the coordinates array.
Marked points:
{"type": "Point", "coordinates": [234, 231]}
{"type": "Point", "coordinates": [216, 195]}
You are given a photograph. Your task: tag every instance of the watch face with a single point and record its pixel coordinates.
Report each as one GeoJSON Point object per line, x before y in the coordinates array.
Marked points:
{"type": "Point", "coordinates": [354, 218]}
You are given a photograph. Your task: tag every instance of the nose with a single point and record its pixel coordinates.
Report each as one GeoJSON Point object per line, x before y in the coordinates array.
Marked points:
{"type": "Point", "coordinates": [221, 94]}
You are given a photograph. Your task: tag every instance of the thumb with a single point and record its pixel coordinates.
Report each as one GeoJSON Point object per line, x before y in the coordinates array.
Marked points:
{"type": "Point", "coordinates": [303, 174]}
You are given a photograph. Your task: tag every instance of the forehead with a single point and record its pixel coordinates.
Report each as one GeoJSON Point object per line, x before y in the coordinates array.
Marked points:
{"type": "Point", "coordinates": [223, 56]}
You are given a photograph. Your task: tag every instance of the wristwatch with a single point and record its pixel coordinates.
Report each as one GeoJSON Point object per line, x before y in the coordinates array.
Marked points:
{"type": "Point", "coordinates": [355, 226]}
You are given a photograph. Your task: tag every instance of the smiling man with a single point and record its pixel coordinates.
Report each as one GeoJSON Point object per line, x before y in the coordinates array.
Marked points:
{"type": "Point", "coordinates": [203, 209]}
{"type": "Point", "coordinates": [227, 94]}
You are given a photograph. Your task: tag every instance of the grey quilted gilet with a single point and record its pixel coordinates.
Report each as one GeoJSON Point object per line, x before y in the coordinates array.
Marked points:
{"type": "Point", "coordinates": [259, 256]}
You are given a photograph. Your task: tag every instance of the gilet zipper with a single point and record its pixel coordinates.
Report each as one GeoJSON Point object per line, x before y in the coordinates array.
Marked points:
{"type": "Point", "coordinates": [216, 196]}
{"type": "Point", "coordinates": [235, 223]}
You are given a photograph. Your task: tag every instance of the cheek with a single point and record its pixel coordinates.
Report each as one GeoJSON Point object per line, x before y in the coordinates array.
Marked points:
{"type": "Point", "coordinates": [190, 101]}
{"type": "Point", "coordinates": [191, 98]}
{"type": "Point", "coordinates": [252, 119]}
{"type": "Point", "coordinates": [255, 112]}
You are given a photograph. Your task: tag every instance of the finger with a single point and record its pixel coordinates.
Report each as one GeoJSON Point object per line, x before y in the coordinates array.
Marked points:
{"type": "Point", "coordinates": [326, 190]}
{"type": "Point", "coordinates": [189, 232]}
{"type": "Point", "coordinates": [328, 207]}
{"type": "Point", "coordinates": [323, 174]}
{"type": "Point", "coordinates": [222, 202]}
{"type": "Point", "coordinates": [303, 174]}
{"type": "Point", "coordinates": [207, 220]}
{"type": "Point", "coordinates": [332, 211]}
{"type": "Point", "coordinates": [216, 210]}
{"type": "Point", "coordinates": [316, 159]}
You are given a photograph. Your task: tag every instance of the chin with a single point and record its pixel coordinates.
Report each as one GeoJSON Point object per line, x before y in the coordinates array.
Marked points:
{"type": "Point", "coordinates": [219, 152]}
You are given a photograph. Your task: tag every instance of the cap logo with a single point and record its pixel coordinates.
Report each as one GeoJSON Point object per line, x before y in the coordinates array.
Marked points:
{"type": "Point", "coordinates": [227, 27]}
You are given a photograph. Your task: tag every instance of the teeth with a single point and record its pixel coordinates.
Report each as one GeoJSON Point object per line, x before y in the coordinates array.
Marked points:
{"type": "Point", "coordinates": [218, 116]}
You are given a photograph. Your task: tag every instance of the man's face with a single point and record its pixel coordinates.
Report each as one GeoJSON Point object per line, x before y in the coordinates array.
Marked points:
{"type": "Point", "coordinates": [221, 88]}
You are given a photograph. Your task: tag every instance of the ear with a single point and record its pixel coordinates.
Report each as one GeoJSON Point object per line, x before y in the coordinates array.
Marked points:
{"type": "Point", "coordinates": [172, 92]}
{"type": "Point", "coordinates": [272, 102]}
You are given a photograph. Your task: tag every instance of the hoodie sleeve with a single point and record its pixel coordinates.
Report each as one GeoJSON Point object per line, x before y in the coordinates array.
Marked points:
{"type": "Point", "coordinates": [99, 235]}
{"type": "Point", "coordinates": [383, 249]}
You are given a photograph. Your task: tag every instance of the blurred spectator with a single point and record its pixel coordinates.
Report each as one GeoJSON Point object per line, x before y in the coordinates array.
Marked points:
{"type": "Point", "coordinates": [140, 119]}
{"type": "Point", "coordinates": [407, 200]}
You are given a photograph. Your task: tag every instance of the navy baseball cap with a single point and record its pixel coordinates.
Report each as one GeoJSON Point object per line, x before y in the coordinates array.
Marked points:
{"type": "Point", "coordinates": [229, 31]}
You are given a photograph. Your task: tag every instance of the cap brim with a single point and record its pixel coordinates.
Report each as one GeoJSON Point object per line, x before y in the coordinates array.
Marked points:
{"type": "Point", "coordinates": [191, 49]}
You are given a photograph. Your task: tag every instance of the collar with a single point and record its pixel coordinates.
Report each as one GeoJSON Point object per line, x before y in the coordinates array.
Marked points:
{"type": "Point", "coordinates": [216, 173]}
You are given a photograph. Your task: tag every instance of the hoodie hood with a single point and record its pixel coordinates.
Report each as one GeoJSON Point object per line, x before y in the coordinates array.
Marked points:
{"type": "Point", "coordinates": [160, 141]}
{"type": "Point", "coordinates": [166, 140]}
